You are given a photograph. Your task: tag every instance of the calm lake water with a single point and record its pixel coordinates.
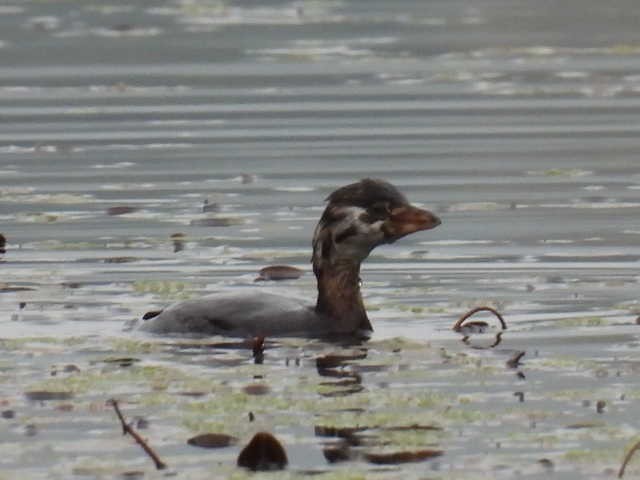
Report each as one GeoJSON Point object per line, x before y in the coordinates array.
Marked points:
{"type": "Point", "coordinates": [165, 150]}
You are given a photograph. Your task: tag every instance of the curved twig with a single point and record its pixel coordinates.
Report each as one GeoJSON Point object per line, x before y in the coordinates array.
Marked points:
{"type": "Point", "coordinates": [458, 325]}
{"type": "Point", "coordinates": [627, 458]}
{"type": "Point", "coordinates": [126, 428]}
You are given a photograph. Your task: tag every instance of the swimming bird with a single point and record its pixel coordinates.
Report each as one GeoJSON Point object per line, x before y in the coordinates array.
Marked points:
{"type": "Point", "coordinates": [358, 217]}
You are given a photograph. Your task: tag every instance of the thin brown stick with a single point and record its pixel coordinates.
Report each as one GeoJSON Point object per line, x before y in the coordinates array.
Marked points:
{"type": "Point", "coordinates": [458, 325]}
{"type": "Point", "coordinates": [126, 428]}
{"type": "Point", "coordinates": [627, 458]}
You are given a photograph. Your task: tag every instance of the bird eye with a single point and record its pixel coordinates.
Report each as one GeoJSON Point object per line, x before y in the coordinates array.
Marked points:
{"type": "Point", "coordinates": [380, 209]}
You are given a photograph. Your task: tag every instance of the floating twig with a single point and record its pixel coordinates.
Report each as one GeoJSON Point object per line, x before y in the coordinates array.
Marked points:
{"type": "Point", "coordinates": [627, 458]}
{"type": "Point", "coordinates": [458, 325]}
{"type": "Point", "coordinates": [126, 428]}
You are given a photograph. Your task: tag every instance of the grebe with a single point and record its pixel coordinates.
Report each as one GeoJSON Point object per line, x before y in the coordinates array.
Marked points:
{"type": "Point", "coordinates": [358, 218]}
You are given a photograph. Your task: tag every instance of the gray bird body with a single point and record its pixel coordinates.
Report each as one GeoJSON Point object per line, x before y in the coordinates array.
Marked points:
{"type": "Point", "coordinates": [240, 314]}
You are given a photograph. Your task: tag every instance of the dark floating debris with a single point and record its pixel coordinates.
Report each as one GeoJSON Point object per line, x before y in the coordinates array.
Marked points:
{"type": "Point", "coordinates": [474, 327]}
{"type": "Point", "coordinates": [350, 436]}
{"type": "Point", "coordinates": [514, 361]}
{"type": "Point", "coordinates": [584, 425]}
{"type": "Point", "coordinates": [8, 414]}
{"type": "Point", "coordinates": [121, 210]}
{"type": "Point", "coordinates": [278, 272]}
{"type": "Point", "coordinates": [340, 432]}
{"type": "Point", "coordinates": [3, 244]}
{"type": "Point", "coordinates": [402, 457]}
{"type": "Point", "coordinates": [141, 423]}
{"type": "Point", "coordinates": [457, 327]}
{"type": "Point", "coordinates": [178, 242]}
{"type": "Point", "coordinates": [127, 428]}
{"type": "Point", "coordinates": [30, 430]}
{"type": "Point", "coordinates": [133, 475]}
{"type": "Point", "coordinates": [45, 395]}
{"type": "Point", "coordinates": [343, 392]}
{"type": "Point", "coordinates": [256, 389]}
{"type": "Point", "coordinates": [600, 406]}
{"type": "Point", "coordinates": [122, 361]}
{"type": "Point", "coordinates": [415, 426]}
{"type": "Point", "coordinates": [546, 464]}
{"type": "Point", "coordinates": [216, 222]}
{"type": "Point", "coordinates": [246, 178]}
{"type": "Point", "coordinates": [339, 453]}
{"type": "Point", "coordinates": [120, 259]}
{"type": "Point", "coordinates": [258, 350]}
{"type": "Point", "coordinates": [264, 452]}
{"type": "Point", "coordinates": [212, 440]}
{"type": "Point", "coordinates": [6, 288]}
{"type": "Point", "coordinates": [210, 206]}
{"type": "Point", "coordinates": [333, 360]}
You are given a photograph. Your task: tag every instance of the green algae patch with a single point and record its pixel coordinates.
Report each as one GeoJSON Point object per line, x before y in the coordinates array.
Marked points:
{"type": "Point", "coordinates": [132, 346]}
{"type": "Point", "coordinates": [580, 322]}
{"type": "Point", "coordinates": [33, 343]}
{"type": "Point", "coordinates": [560, 172]}
{"type": "Point", "coordinates": [166, 289]}
{"type": "Point", "coordinates": [397, 344]}
{"type": "Point", "coordinates": [416, 438]}
{"type": "Point", "coordinates": [139, 379]}
{"type": "Point", "coordinates": [609, 456]}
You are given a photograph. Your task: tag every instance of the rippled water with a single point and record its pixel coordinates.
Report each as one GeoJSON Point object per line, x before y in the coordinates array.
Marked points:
{"type": "Point", "coordinates": [221, 127]}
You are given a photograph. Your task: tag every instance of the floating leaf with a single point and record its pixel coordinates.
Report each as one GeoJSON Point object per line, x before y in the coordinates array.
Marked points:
{"type": "Point", "coordinates": [212, 440]}
{"type": "Point", "coordinates": [44, 395]}
{"type": "Point", "coordinates": [402, 457]}
{"type": "Point", "coordinates": [121, 210]}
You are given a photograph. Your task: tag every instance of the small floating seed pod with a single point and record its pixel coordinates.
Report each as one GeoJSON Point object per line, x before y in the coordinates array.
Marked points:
{"type": "Point", "coordinates": [263, 452]}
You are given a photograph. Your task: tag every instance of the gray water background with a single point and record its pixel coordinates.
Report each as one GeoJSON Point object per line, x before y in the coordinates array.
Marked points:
{"type": "Point", "coordinates": [517, 122]}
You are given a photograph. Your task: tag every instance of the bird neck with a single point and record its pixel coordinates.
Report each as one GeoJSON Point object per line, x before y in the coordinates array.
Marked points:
{"type": "Point", "coordinates": [339, 296]}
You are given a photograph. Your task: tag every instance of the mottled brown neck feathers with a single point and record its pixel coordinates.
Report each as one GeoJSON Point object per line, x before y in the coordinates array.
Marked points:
{"type": "Point", "coordinates": [339, 297]}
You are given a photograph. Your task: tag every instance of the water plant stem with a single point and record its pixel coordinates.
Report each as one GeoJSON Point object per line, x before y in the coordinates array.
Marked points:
{"type": "Point", "coordinates": [126, 428]}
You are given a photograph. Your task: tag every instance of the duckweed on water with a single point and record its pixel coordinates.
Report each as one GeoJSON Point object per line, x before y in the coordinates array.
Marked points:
{"type": "Point", "coordinates": [32, 344]}
{"type": "Point", "coordinates": [605, 456]}
{"type": "Point", "coordinates": [166, 289]}
{"type": "Point", "coordinates": [580, 322]}
{"type": "Point", "coordinates": [139, 379]}
{"type": "Point", "coordinates": [131, 347]}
